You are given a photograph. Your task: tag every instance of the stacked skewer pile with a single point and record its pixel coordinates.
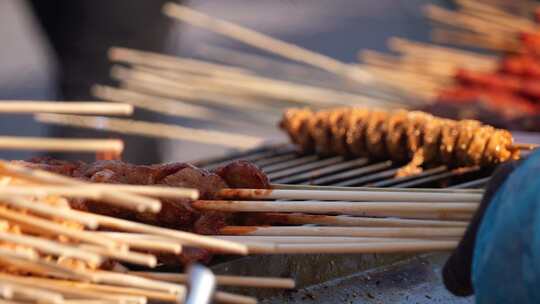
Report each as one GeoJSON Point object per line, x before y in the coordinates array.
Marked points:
{"type": "Point", "coordinates": [52, 251]}
{"type": "Point", "coordinates": [502, 91]}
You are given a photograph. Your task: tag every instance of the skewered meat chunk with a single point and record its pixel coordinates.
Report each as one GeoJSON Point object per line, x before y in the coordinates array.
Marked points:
{"type": "Point", "coordinates": [296, 124]}
{"type": "Point", "coordinates": [449, 135]}
{"type": "Point", "coordinates": [415, 127]}
{"type": "Point", "coordinates": [376, 133]}
{"type": "Point", "coordinates": [478, 145]}
{"type": "Point", "coordinates": [432, 140]}
{"type": "Point", "coordinates": [416, 137]}
{"type": "Point", "coordinates": [467, 128]}
{"type": "Point", "coordinates": [396, 139]}
{"type": "Point", "coordinates": [243, 174]}
{"type": "Point", "coordinates": [175, 213]}
{"type": "Point", "coordinates": [496, 151]}
{"type": "Point", "coordinates": [339, 122]}
{"type": "Point", "coordinates": [356, 135]}
{"type": "Point", "coordinates": [319, 127]}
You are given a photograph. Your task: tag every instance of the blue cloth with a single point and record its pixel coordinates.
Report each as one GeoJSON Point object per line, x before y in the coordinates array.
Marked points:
{"type": "Point", "coordinates": [506, 261]}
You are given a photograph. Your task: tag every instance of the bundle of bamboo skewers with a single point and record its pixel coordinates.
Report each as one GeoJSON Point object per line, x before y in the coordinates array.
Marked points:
{"type": "Point", "coordinates": [53, 252]}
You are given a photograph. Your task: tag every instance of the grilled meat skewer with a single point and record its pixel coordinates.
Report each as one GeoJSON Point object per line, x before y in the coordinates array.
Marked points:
{"type": "Point", "coordinates": [415, 137]}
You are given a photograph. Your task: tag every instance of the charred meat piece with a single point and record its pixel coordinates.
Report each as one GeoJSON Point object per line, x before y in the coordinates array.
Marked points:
{"type": "Point", "coordinates": [396, 139]}
{"type": "Point", "coordinates": [319, 127]}
{"type": "Point", "coordinates": [475, 152]}
{"type": "Point", "coordinates": [449, 135]}
{"type": "Point", "coordinates": [376, 134]}
{"type": "Point", "coordinates": [497, 150]}
{"type": "Point", "coordinates": [356, 135]}
{"type": "Point", "coordinates": [295, 123]}
{"type": "Point", "coordinates": [243, 174]}
{"type": "Point", "coordinates": [414, 137]}
{"type": "Point", "coordinates": [467, 128]}
{"type": "Point", "coordinates": [339, 122]}
{"type": "Point", "coordinates": [432, 140]}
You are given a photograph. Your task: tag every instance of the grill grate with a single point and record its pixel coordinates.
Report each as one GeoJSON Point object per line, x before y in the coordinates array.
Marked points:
{"type": "Point", "coordinates": [284, 165]}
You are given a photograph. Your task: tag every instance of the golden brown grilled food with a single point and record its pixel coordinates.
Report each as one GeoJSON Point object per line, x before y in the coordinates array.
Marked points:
{"type": "Point", "coordinates": [415, 137]}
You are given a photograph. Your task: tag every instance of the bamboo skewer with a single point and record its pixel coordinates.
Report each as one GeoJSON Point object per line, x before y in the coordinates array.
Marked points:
{"type": "Point", "coordinates": [43, 177]}
{"type": "Point", "coordinates": [127, 280]}
{"type": "Point", "coordinates": [340, 207]}
{"type": "Point", "coordinates": [44, 209]}
{"type": "Point", "coordinates": [166, 62]}
{"type": "Point", "coordinates": [177, 235]}
{"type": "Point", "coordinates": [127, 126]}
{"type": "Point", "coordinates": [108, 289]}
{"type": "Point", "coordinates": [365, 195]}
{"type": "Point", "coordinates": [398, 190]}
{"type": "Point", "coordinates": [231, 298]}
{"type": "Point", "coordinates": [253, 85]}
{"type": "Point", "coordinates": [312, 239]}
{"type": "Point", "coordinates": [255, 39]}
{"type": "Point", "coordinates": [382, 247]}
{"type": "Point", "coordinates": [98, 193]}
{"type": "Point", "coordinates": [100, 108]}
{"type": "Point", "coordinates": [51, 247]}
{"type": "Point", "coordinates": [70, 291]}
{"type": "Point", "coordinates": [26, 293]}
{"type": "Point", "coordinates": [224, 280]}
{"type": "Point", "coordinates": [45, 226]}
{"type": "Point", "coordinates": [127, 256]}
{"type": "Point", "coordinates": [344, 231]}
{"type": "Point", "coordinates": [343, 220]}
{"type": "Point", "coordinates": [155, 104]}
{"type": "Point", "coordinates": [61, 144]}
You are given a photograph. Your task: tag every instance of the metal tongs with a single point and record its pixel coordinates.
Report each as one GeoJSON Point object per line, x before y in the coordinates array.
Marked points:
{"type": "Point", "coordinates": [202, 284]}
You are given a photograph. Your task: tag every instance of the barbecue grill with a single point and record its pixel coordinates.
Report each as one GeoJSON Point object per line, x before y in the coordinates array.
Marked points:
{"type": "Point", "coordinates": [367, 278]}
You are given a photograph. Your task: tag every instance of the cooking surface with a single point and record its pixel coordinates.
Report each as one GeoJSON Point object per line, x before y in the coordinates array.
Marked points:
{"type": "Point", "coordinates": [346, 278]}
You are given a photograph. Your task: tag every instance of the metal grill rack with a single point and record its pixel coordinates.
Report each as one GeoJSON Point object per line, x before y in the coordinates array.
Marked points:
{"type": "Point", "coordinates": [366, 278]}
{"type": "Point", "coordinates": [284, 165]}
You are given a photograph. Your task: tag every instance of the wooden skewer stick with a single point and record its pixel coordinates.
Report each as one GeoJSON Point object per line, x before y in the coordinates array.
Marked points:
{"type": "Point", "coordinates": [45, 177]}
{"type": "Point", "coordinates": [146, 242]}
{"type": "Point", "coordinates": [107, 289]}
{"type": "Point", "coordinates": [161, 61]}
{"type": "Point", "coordinates": [312, 239]}
{"type": "Point", "coordinates": [343, 220]}
{"type": "Point", "coordinates": [127, 256]}
{"type": "Point", "coordinates": [224, 280]}
{"type": "Point", "coordinates": [18, 254]}
{"type": "Point", "coordinates": [251, 85]}
{"type": "Point", "coordinates": [47, 210]}
{"type": "Point", "coordinates": [45, 226]}
{"type": "Point", "coordinates": [61, 144]}
{"type": "Point", "coordinates": [344, 231]}
{"type": "Point", "coordinates": [365, 195]}
{"type": "Point", "coordinates": [399, 190]}
{"type": "Point", "coordinates": [99, 108]}
{"type": "Point", "coordinates": [153, 103]}
{"type": "Point", "coordinates": [151, 129]}
{"type": "Point", "coordinates": [177, 235]}
{"type": "Point", "coordinates": [51, 247]}
{"type": "Point", "coordinates": [45, 268]}
{"type": "Point", "coordinates": [26, 293]}
{"type": "Point", "coordinates": [231, 298]}
{"type": "Point", "coordinates": [70, 291]}
{"type": "Point", "coordinates": [107, 193]}
{"type": "Point", "coordinates": [122, 279]}
{"type": "Point", "coordinates": [104, 194]}
{"type": "Point", "coordinates": [525, 146]}
{"type": "Point", "coordinates": [255, 39]}
{"type": "Point", "coordinates": [383, 247]}
{"type": "Point", "coordinates": [322, 207]}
